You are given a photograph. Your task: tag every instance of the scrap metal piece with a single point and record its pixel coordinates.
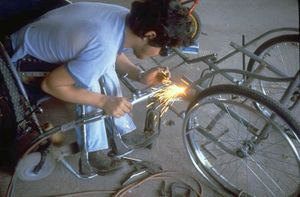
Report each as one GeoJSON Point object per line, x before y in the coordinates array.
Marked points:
{"type": "Point", "coordinates": [142, 169]}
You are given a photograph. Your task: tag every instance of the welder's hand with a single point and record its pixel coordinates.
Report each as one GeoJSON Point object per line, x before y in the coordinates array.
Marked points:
{"type": "Point", "coordinates": [116, 106]}
{"type": "Point", "coordinates": [156, 75]}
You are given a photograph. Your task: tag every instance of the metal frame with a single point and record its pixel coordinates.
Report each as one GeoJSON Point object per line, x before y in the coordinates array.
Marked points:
{"type": "Point", "coordinates": [142, 95]}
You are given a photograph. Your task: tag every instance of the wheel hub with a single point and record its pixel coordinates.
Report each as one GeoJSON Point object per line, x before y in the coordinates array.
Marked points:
{"type": "Point", "coordinates": [246, 149]}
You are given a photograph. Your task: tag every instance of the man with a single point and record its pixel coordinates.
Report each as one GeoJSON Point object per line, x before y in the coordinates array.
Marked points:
{"type": "Point", "coordinates": [88, 39]}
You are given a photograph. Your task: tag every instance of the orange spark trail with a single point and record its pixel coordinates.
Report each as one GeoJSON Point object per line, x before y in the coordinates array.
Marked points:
{"type": "Point", "coordinates": [166, 97]}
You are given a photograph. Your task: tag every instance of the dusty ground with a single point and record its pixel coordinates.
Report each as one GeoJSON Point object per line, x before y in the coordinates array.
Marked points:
{"type": "Point", "coordinates": [223, 21]}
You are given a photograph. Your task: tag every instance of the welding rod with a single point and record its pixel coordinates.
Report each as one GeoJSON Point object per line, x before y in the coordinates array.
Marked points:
{"type": "Point", "coordinates": [137, 98]}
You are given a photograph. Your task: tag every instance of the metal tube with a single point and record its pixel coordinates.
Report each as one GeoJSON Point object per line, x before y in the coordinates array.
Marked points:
{"type": "Point", "coordinates": [74, 172]}
{"type": "Point", "coordinates": [258, 59]}
{"type": "Point", "coordinates": [84, 151]}
{"type": "Point", "coordinates": [243, 55]}
{"type": "Point", "coordinates": [142, 97]}
{"type": "Point", "coordinates": [87, 118]}
{"type": "Point", "coordinates": [198, 82]}
{"type": "Point", "coordinates": [257, 38]}
{"type": "Point", "coordinates": [292, 86]}
{"type": "Point", "coordinates": [214, 67]}
{"type": "Point", "coordinates": [128, 84]}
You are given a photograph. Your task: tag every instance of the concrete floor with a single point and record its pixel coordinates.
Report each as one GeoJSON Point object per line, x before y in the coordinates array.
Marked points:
{"type": "Point", "coordinates": [223, 21]}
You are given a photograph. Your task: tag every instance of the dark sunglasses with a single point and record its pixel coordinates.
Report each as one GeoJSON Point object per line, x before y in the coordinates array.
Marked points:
{"type": "Point", "coordinates": [165, 51]}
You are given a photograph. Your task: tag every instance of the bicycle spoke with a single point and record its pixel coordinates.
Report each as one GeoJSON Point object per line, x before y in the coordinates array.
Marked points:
{"type": "Point", "coordinates": [282, 59]}
{"type": "Point", "coordinates": [241, 145]}
{"type": "Point", "coordinates": [268, 175]}
{"type": "Point", "coordinates": [258, 178]}
{"type": "Point", "coordinates": [270, 145]}
{"type": "Point", "coordinates": [278, 154]}
{"type": "Point", "coordinates": [283, 172]}
{"type": "Point", "coordinates": [236, 170]}
{"type": "Point", "coordinates": [227, 165]}
{"type": "Point", "coordinates": [276, 159]}
{"type": "Point", "coordinates": [212, 137]}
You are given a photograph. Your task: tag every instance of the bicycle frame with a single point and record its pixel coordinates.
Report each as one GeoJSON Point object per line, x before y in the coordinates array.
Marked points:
{"type": "Point", "coordinates": [212, 61]}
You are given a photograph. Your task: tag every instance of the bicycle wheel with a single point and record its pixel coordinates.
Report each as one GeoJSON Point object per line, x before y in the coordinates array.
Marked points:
{"type": "Point", "coordinates": [240, 150]}
{"type": "Point", "coordinates": [282, 53]}
{"type": "Point", "coordinates": [196, 26]}
{"type": "Point", "coordinates": [11, 112]}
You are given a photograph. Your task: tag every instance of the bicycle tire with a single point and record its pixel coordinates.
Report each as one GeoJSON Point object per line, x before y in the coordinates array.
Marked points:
{"type": "Point", "coordinates": [11, 113]}
{"type": "Point", "coordinates": [283, 53]}
{"type": "Point", "coordinates": [196, 26]}
{"type": "Point", "coordinates": [269, 43]}
{"type": "Point", "coordinates": [205, 150]}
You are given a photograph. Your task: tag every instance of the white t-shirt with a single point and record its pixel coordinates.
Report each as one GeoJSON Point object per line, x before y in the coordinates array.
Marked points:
{"type": "Point", "coordinates": [86, 37]}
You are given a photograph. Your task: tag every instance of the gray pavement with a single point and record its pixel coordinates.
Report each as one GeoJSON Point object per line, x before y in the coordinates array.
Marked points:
{"type": "Point", "coordinates": [222, 22]}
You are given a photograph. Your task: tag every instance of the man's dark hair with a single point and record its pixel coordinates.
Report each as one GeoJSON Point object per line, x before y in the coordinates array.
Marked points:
{"type": "Point", "coordinates": [168, 18]}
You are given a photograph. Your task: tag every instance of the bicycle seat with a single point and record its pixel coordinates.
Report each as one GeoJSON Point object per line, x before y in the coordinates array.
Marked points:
{"type": "Point", "coordinates": [15, 14]}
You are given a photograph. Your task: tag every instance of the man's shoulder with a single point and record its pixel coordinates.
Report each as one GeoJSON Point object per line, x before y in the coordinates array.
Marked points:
{"type": "Point", "coordinates": [97, 5]}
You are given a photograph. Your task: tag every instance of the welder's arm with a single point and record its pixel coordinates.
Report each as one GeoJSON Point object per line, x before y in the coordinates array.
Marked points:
{"type": "Point", "coordinates": [126, 67]}
{"type": "Point", "coordinates": [61, 85]}
{"type": "Point", "coordinates": [151, 77]}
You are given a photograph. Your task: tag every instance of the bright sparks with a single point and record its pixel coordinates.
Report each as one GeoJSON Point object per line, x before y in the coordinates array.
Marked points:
{"type": "Point", "coordinates": [166, 97]}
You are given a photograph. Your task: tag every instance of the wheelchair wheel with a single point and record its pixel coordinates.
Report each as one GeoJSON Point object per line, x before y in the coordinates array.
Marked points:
{"type": "Point", "coordinates": [282, 52]}
{"type": "Point", "coordinates": [11, 112]}
{"type": "Point", "coordinates": [25, 168]}
{"type": "Point", "coordinates": [240, 150]}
